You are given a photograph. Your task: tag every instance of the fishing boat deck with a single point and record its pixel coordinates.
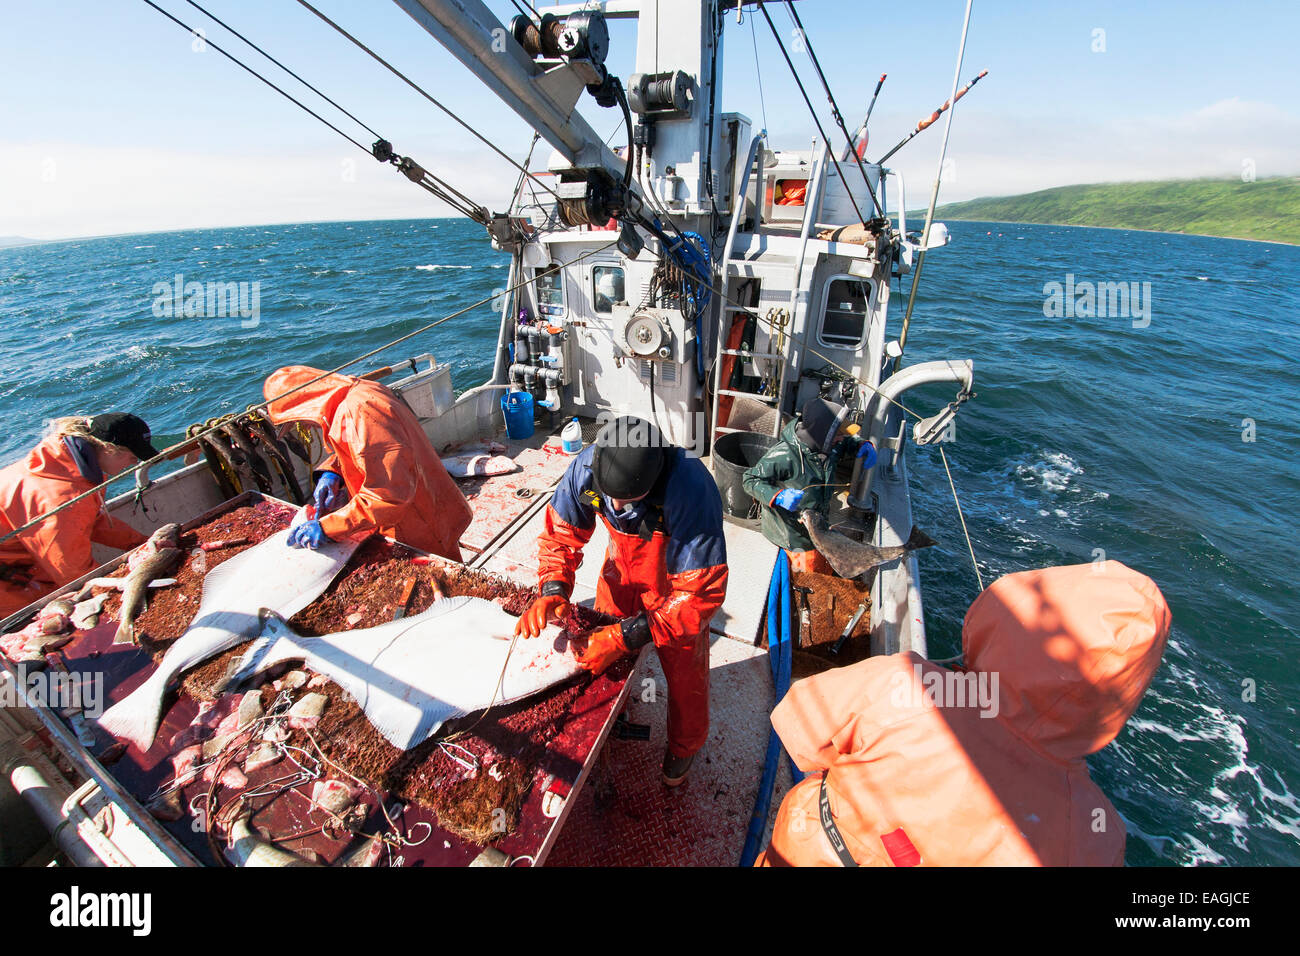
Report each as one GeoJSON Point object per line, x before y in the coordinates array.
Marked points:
{"type": "Point", "coordinates": [615, 809]}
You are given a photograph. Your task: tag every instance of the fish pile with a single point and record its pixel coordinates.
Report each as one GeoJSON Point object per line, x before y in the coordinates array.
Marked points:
{"type": "Point", "coordinates": [57, 621]}
{"type": "Point", "coordinates": [248, 445]}
{"type": "Point", "coordinates": [49, 630]}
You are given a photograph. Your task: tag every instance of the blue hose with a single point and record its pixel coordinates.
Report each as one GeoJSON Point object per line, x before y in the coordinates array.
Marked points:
{"type": "Point", "coordinates": [779, 602]}
{"type": "Point", "coordinates": [695, 257]}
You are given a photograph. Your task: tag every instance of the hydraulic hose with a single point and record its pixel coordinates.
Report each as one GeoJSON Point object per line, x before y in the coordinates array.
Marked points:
{"type": "Point", "coordinates": [778, 608]}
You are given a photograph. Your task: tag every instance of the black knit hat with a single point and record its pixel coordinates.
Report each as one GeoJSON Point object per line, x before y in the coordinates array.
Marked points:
{"type": "Point", "coordinates": [820, 420]}
{"type": "Point", "coordinates": [122, 428]}
{"type": "Point", "coordinates": [628, 457]}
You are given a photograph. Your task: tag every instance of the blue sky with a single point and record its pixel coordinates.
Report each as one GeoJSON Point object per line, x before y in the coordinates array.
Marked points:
{"type": "Point", "coordinates": [110, 122]}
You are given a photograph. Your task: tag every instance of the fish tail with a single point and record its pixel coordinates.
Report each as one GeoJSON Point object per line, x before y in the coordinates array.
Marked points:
{"type": "Point", "coordinates": [275, 643]}
{"type": "Point", "coordinates": [135, 718]}
{"type": "Point", "coordinates": [125, 633]}
{"type": "Point", "coordinates": [918, 539]}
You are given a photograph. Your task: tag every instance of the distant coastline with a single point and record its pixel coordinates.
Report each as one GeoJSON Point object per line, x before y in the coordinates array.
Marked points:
{"type": "Point", "coordinates": [13, 242]}
{"type": "Point", "coordinates": [939, 217]}
{"type": "Point", "coordinates": [1267, 210]}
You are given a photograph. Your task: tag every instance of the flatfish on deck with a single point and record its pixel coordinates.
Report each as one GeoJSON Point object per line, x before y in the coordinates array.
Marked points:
{"type": "Point", "coordinates": [412, 675]}
{"type": "Point", "coordinates": [268, 575]}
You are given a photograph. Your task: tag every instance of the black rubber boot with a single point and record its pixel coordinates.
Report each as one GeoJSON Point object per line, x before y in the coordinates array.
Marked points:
{"type": "Point", "coordinates": [676, 769]}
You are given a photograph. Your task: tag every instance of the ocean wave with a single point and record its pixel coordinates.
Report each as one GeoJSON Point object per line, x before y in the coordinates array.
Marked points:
{"type": "Point", "coordinates": [1054, 472]}
{"type": "Point", "coordinates": [435, 268]}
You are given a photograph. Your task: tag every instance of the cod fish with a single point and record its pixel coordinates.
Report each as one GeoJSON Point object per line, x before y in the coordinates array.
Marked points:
{"type": "Point", "coordinates": [270, 575]}
{"type": "Point", "coordinates": [413, 674]}
{"type": "Point", "coordinates": [850, 558]}
{"type": "Point", "coordinates": [153, 559]}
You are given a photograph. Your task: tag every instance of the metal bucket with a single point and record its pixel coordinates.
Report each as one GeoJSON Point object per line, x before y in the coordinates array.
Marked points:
{"type": "Point", "coordinates": [733, 454]}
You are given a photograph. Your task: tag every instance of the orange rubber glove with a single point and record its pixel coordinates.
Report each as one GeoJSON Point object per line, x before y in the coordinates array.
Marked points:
{"type": "Point", "coordinates": [604, 646]}
{"type": "Point", "coordinates": [540, 612]}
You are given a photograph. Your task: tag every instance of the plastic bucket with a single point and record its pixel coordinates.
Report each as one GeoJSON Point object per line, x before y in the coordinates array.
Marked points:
{"type": "Point", "coordinates": [517, 407]}
{"type": "Point", "coordinates": [733, 454]}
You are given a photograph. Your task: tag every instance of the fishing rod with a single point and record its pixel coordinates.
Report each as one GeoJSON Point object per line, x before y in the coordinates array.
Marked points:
{"type": "Point", "coordinates": [934, 193]}
{"type": "Point", "coordinates": [929, 120]}
{"type": "Point", "coordinates": [860, 137]}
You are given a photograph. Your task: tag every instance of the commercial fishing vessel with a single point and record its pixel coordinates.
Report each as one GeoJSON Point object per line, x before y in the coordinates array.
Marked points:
{"type": "Point", "coordinates": [698, 277]}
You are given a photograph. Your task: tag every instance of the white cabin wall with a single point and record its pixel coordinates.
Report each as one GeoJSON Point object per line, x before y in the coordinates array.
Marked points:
{"type": "Point", "coordinates": [678, 35]}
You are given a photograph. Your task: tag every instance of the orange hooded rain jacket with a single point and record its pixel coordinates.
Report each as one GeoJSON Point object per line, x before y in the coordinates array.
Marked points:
{"type": "Point", "coordinates": [396, 483]}
{"type": "Point", "coordinates": [57, 550]}
{"type": "Point", "coordinates": [926, 765]}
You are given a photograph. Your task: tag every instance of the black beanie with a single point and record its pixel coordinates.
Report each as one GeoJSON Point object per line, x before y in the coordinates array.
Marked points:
{"type": "Point", "coordinates": [629, 455]}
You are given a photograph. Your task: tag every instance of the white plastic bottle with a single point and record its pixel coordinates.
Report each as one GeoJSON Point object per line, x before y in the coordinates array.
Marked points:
{"type": "Point", "coordinates": [571, 438]}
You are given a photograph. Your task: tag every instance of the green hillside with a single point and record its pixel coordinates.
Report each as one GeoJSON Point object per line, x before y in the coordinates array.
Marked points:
{"type": "Point", "coordinates": [1267, 209]}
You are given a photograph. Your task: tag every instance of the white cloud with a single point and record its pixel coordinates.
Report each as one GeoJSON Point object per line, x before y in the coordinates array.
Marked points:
{"type": "Point", "coordinates": [999, 156]}
{"type": "Point", "coordinates": [54, 190]}
{"type": "Point", "coordinates": [57, 190]}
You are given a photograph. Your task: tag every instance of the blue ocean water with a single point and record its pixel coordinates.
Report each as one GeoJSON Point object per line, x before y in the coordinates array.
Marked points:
{"type": "Point", "coordinates": [1088, 435]}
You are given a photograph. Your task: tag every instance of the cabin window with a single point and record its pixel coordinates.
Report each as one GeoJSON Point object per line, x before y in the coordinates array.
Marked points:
{"type": "Point", "coordinates": [550, 289]}
{"type": "Point", "coordinates": [848, 306]}
{"type": "Point", "coordinates": [606, 287]}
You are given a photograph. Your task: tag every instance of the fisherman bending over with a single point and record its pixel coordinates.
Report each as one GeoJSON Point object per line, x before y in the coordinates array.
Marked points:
{"type": "Point", "coordinates": [381, 461]}
{"type": "Point", "coordinates": [797, 474]}
{"type": "Point", "coordinates": [78, 454]}
{"type": "Point", "coordinates": [665, 572]}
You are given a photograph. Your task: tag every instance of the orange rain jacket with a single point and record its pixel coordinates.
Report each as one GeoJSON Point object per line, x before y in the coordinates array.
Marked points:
{"type": "Point", "coordinates": [57, 550]}
{"type": "Point", "coordinates": [396, 483]}
{"type": "Point", "coordinates": [909, 782]}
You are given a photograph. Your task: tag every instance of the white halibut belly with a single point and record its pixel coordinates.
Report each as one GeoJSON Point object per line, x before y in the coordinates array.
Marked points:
{"type": "Point", "coordinates": [268, 575]}
{"type": "Point", "coordinates": [413, 675]}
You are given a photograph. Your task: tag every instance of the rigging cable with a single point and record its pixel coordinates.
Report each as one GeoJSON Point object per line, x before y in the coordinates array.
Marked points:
{"type": "Point", "coordinates": [835, 107]}
{"type": "Point", "coordinates": [397, 73]}
{"type": "Point", "coordinates": [934, 193]}
{"type": "Point", "coordinates": [188, 443]}
{"type": "Point", "coordinates": [758, 72]}
{"type": "Point", "coordinates": [212, 16]}
{"type": "Point", "coordinates": [382, 150]}
{"type": "Point", "coordinates": [244, 66]}
{"type": "Point", "coordinates": [523, 12]}
{"type": "Point", "coordinates": [961, 516]}
{"type": "Point", "coordinates": [825, 139]}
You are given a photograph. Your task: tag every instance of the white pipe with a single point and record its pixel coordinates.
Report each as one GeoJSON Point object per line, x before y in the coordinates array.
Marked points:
{"type": "Point", "coordinates": [47, 803]}
{"type": "Point", "coordinates": [927, 373]}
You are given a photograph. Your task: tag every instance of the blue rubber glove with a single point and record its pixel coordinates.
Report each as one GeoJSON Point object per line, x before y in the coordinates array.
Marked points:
{"type": "Point", "coordinates": [328, 491]}
{"type": "Point", "coordinates": [788, 499]}
{"type": "Point", "coordinates": [867, 451]}
{"type": "Point", "coordinates": [307, 535]}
